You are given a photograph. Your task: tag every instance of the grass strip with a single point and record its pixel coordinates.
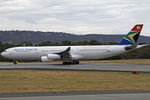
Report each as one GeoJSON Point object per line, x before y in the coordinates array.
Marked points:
{"type": "Point", "coordinates": [54, 81]}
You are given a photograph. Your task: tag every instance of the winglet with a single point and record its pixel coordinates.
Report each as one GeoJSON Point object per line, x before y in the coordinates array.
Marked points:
{"type": "Point", "coordinates": [132, 36]}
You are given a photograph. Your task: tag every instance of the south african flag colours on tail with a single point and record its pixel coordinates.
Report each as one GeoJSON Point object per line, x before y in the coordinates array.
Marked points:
{"type": "Point", "coordinates": [132, 37]}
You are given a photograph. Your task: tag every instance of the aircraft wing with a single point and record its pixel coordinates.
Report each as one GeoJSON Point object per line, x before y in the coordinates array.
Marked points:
{"type": "Point", "coordinates": [65, 55]}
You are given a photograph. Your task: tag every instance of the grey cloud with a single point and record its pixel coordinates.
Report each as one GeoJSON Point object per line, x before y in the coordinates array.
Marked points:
{"type": "Point", "coordinates": [84, 15]}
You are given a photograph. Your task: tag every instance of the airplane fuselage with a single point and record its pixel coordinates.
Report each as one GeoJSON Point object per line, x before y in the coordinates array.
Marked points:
{"type": "Point", "coordinates": [79, 52]}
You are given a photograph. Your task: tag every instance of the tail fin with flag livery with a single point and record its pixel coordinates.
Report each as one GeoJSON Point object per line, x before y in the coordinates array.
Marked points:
{"type": "Point", "coordinates": [132, 37]}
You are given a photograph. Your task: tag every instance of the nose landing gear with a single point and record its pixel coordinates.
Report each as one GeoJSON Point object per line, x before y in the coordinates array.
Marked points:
{"type": "Point", "coordinates": [15, 61]}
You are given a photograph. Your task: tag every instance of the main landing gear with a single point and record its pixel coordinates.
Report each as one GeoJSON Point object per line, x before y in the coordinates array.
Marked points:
{"type": "Point", "coordinates": [70, 63]}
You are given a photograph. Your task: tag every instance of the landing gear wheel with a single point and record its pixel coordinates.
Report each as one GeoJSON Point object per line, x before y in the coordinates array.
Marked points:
{"type": "Point", "coordinates": [75, 62]}
{"type": "Point", "coordinates": [69, 63]}
{"type": "Point", "coordinates": [64, 63]}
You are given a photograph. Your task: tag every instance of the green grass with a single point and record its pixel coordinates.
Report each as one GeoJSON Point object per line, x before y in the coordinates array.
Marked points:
{"type": "Point", "coordinates": [53, 81]}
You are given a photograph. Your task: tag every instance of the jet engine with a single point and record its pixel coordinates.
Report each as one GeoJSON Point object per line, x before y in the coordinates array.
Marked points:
{"type": "Point", "coordinates": [50, 57]}
{"type": "Point", "coordinates": [44, 59]}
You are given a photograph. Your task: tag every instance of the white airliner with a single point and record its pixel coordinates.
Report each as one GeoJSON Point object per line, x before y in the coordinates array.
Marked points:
{"type": "Point", "coordinates": [71, 54]}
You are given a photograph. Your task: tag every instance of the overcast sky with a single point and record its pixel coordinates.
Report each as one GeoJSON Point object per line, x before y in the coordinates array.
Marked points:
{"type": "Point", "coordinates": [75, 16]}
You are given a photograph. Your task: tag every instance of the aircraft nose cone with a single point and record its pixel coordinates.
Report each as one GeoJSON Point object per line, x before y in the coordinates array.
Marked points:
{"type": "Point", "coordinates": [2, 54]}
{"type": "Point", "coordinates": [5, 54]}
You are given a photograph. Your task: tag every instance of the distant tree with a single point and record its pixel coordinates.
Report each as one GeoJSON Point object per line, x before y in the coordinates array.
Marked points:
{"type": "Point", "coordinates": [141, 43]}
{"type": "Point", "coordinates": [143, 53]}
{"type": "Point", "coordinates": [5, 46]}
{"type": "Point", "coordinates": [57, 44]}
{"type": "Point", "coordinates": [111, 43]}
{"type": "Point", "coordinates": [93, 42]}
{"type": "Point", "coordinates": [24, 44]}
{"type": "Point", "coordinates": [46, 43]}
{"type": "Point", "coordinates": [66, 43]}
{"type": "Point", "coordinates": [81, 43]}
{"type": "Point", "coordinates": [100, 43]}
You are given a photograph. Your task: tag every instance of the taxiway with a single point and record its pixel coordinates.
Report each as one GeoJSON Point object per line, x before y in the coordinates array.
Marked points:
{"type": "Point", "coordinates": [136, 96]}
{"type": "Point", "coordinates": [122, 67]}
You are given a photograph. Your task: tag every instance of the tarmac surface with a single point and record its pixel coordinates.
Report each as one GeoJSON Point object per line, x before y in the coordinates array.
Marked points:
{"type": "Point", "coordinates": [104, 95]}
{"type": "Point", "coordinates": [113, 67]}
{"type": "Point", "coordinates": [136, 96]}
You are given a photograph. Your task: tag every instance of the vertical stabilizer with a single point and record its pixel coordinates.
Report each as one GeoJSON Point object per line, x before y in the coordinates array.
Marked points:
{"type": "Point", "coordinates": [132, 36]}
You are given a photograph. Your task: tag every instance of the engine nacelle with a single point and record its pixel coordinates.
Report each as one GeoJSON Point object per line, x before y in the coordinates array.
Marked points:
{"type": "Point", "coordinates": [44, 59]}
{"type": "Point", "coordinates": [53, 56]}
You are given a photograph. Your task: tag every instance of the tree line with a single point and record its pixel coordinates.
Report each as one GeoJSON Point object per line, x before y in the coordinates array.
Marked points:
{"type": "Point", "coordinates": [142, 53]}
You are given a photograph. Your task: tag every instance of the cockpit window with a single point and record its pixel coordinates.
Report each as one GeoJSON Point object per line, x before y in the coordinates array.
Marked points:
{"type": "Point", "coordinates": [5, 51]}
